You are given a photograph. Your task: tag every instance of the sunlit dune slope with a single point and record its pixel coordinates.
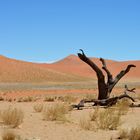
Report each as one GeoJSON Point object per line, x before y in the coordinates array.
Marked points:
{"type": "Point", "coordinates": [19, 71]}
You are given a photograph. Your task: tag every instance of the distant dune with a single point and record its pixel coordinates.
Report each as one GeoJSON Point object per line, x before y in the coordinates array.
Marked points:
{"type": "Point", "coordinates": [73, 65]}
{"type": "Point", "coordinates": [70, 68]}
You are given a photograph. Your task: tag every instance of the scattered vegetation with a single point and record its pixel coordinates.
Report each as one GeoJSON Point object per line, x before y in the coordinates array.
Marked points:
{"type": "Point", "coordinates": [123, 106]}
{"type": "Point", "coordinates": [55, 113]}
{"type": "Point", "coordinates": [67, 99]}
{"type": "Point", "coordinates": [26, 99]}
{"type": "Point", "coordinates": [49, 99]}
{"type": "Point", "coordinates": [38, 107]}
{"type": "Point", "coordinates": [12, 116]}
{"type": "Point", "coordinates": [94, 115]}
{"type": "Point", "coordinates": [10, 135]}
{"type": "Point", "coordinates": [133, 134]}
{"type": "Point", "coordinates": [85, 124]}
{"type": "Point", "coordinates": [1, 98]}
{"type": "Point", "coordinates": [108, 119]}
{"type": "Point", "coordinates": [90, 96]}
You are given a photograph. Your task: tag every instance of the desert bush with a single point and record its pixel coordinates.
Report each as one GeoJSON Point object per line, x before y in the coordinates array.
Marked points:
{"type": "Point", "coordinates": [133, 134]}
{"type": "Point", "coordinates": [55, 113]}
{"type": "Point", "coordinates": [38, 107]}
{"type": "Point", "coordinates": [85, 124]}
{"type": "Point", "coordinates": [12, 116]}
{"type": "Point", "coordinates": [123, 106]}
{"type": "Point", "coordinates": [1, 98]}
{"type": "Point", "coordinates": [123, 134]}
{"type": "Point", "coordinates": [67, 98]}
{"type": "Point", "coordinates": [49, 99]}
{"type": "Point", "coordinates": [94, 115]}
{"type": "Point", "coordinates": [26, 99]}
{"type": "Point", "coordinates": [108, 119]}
{"type": "Point", "coordinates": [10, 135]}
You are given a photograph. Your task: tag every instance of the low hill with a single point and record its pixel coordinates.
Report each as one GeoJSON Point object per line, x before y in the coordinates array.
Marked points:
{"type": "Point", "coordinates": [69, 69]}
{"type": "Point", "coordinates": [19, 71]}
{"type": "Point", "coordinates": [73, 65]}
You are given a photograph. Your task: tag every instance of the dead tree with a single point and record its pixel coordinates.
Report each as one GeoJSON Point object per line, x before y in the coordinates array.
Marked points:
{"type": "Point", "coordinates": [104, 87]}
{"type": "Point", "coordinates": [109, 101]}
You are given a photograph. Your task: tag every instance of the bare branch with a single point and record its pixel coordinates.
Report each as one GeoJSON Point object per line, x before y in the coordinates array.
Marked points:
{"type": "Point", "coordinates": [84, 58]}
{"type": "Point", "coordinates": [109, 75]}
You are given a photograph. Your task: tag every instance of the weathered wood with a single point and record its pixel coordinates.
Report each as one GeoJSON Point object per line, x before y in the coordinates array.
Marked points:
{"type": "Point", "coordinates": [105, 88]}
{"type": "Point", "coordinates": [104, 102]}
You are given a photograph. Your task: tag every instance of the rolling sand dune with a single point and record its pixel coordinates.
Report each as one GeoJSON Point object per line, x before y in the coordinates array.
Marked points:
{"type": "Point", "coordinates": [19, 71]}
{"type": "Point", "coordinates": [70, 68]}
{"type": "Point", "coordinates": [72, 64]}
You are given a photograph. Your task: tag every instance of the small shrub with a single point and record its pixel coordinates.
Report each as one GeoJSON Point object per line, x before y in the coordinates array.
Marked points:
{"type": "Point", "coordinates": [55, 113]}
{"type": "Point", "coordinates": [133, 134]}
{"type": "Point", "coordinates": [28, 99]}
{"type": "Point", "coordinates": [85, 124]}
{"type": "Point", "coordinates": [12, 116]}
{"type": "Point", "coordinates": [67, 98]}
{"type": "Point", "coordinates": [108, 119]}
{"type": "Point", "coordinates": [49, 99]}
{"type": "Point", "coordinates": [1, 98]}
{"type": "Point", "coordinates": [94, 115]}
{"type": "Point", "coordinates": [25, 99]}
{"type": "Point", "coordinates": [123, 134]}
{"type": "Point", "coordinates": [123, 106]}
{"type": "Point", "coordinates": [38, 107]}
{"type": "Point", "coordinates": [9, 135]}
{"type": "Point", "coordinates": [20, 99]}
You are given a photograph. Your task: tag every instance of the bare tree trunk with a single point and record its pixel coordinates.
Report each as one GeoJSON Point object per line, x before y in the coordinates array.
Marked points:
{"type": "Point", "coordinates": [105, 88]}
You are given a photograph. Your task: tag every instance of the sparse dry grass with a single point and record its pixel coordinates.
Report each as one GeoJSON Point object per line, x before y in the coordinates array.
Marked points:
{"type": "Point", "coordinates": [123, 106]}
{"type": "Point", "coordinates": [108, 119]}
{"type": "Point", "coordinates": [49, 99]}
{"type": "Point", "coordinates": [133, 134]}
{"type": "Point", "coordinates": [26, 99]}
{"type": "Point", "coordinates": [67, 99]}
{"type": "Point", "coordinates": [90, 96]}
{"type": "Point", "coordinates": [85, 124]}
{"type": "Point", "coordinates": [38, 107]}
{"type": "Point", "coordinates": [12, 116]}
{"type": "Point", "coordinates": [94, 115]}
{"type": "Point", "coordinates": [55, 113]}
{"type": "Point", "coordinates": [123, 134]}
{"type": "Point", "coordinates": [10, 135]}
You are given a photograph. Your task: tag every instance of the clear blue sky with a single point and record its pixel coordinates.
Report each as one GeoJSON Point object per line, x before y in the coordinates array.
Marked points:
{"type": "Point", "coordinates": [47, 30]}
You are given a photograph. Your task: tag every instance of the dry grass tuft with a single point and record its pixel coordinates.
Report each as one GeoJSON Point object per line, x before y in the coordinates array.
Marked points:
{"type": "Point", "coordinates": [94, 115]}
{"type": "Point", "coordinates": [85, 124]}
{"type": "Point", "coordinates": [55, 113]}
{"type": "Point", "coordinates": [133, 134]}
{"type": "Point", "coordinates": [67, 99]}
{"type": "Point", "coordinates": [108, 119]}
{"type": "Point", "coordinates": [26, 99]}
{"type": "Point", "coordinates": [123, 134]}
{"type": "Point", "coordinates": [49, 99]}
{"type": "Point", "coordinates": [38, 107]}
{"type": "Point", "coordinates": [123, 106]}
{"type": "Point", "coordinates": [12, 116]}
{"type": "Point", "coordinates": [90, 96]}
{"type": "Point", "coordinates": [9, 135]}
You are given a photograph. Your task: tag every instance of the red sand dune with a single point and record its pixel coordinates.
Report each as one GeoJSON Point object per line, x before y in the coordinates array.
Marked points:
{"type": "Point", "coordinates": [70, 68]}
{"type": "Point", "coordinates": [72, 64]}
